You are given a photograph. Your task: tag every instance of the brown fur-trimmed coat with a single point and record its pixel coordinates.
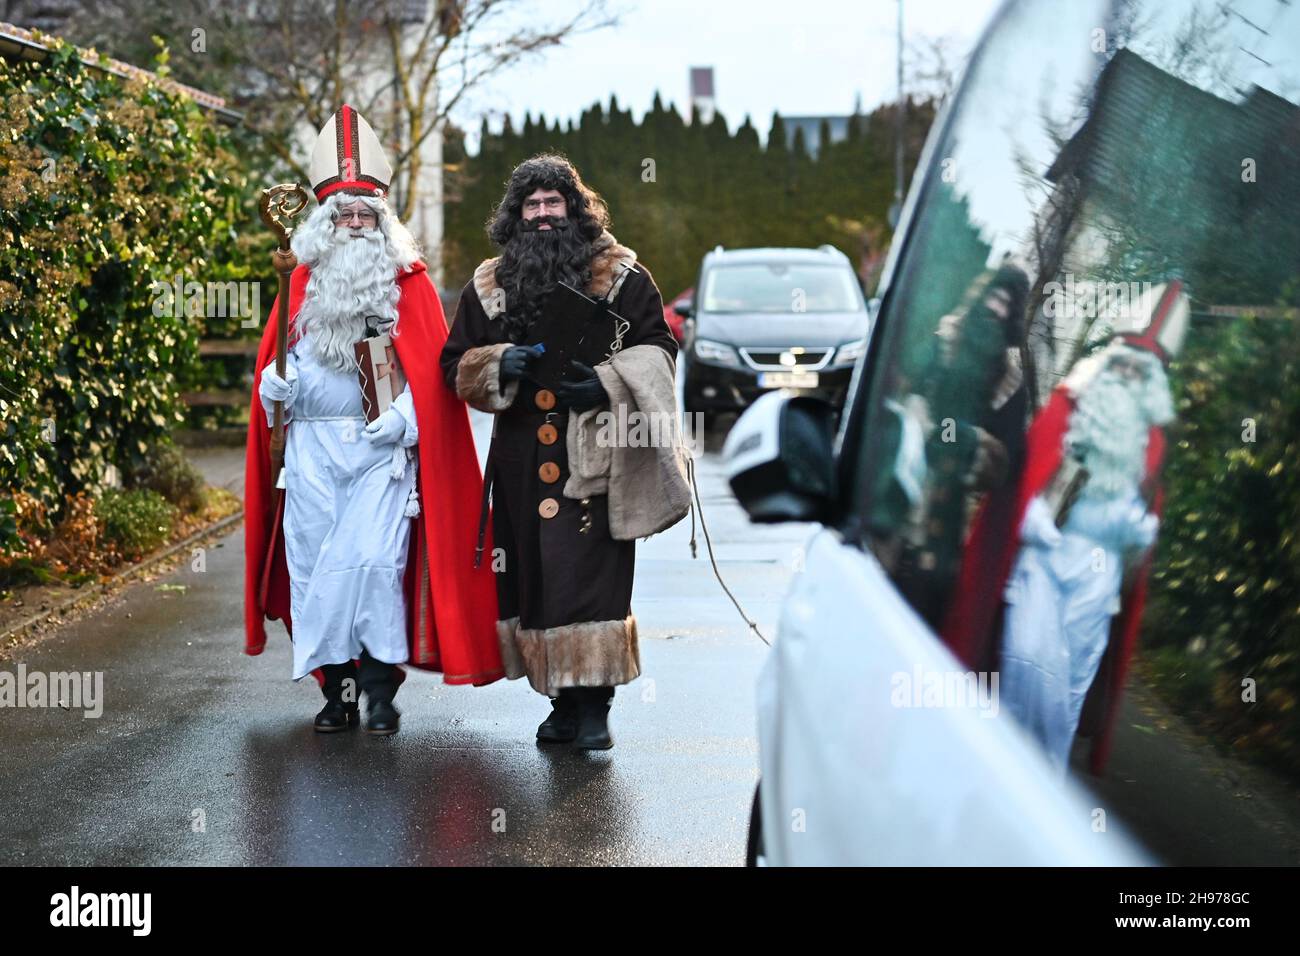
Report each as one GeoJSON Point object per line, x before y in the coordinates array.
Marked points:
{"type": "Point", "coordinates": [564, 583]}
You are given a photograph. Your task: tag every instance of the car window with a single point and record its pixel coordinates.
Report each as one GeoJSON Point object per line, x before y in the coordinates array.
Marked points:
{"type": "Point", "coordinates": [1088, 351]}
{"type": "Point", "coordinates": [781, 287]}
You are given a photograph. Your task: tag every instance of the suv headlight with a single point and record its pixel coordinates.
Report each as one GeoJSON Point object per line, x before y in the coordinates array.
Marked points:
{"type": "Point", "coordinates": [850, 353]}
{"type": "Point", "coordinates": [716, 353]}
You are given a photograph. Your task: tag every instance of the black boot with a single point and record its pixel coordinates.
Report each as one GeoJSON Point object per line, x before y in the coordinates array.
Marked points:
{"type": "Point", "coordinates": [340, 689]}
{"type": "Point", "coordinates": [562, 726]}
{"type": "Point", "coordinates": [379, 681]}
{"type": "Point", "coordinates": [593, 718]}
{"type": "Point", "coordinates": [382, 718]}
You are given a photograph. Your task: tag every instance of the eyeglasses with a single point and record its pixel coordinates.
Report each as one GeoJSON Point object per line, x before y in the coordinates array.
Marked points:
{"type": "Point", "coordinates": [1129, 368]}
{"type": "Point", "coordinates": [366, 217]}
{"type": "Point", "coordinates": [556, 202]}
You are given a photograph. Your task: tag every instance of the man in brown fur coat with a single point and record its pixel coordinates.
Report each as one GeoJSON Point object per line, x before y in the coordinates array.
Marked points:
{"type": "Point", "coordinates": [564, 583]}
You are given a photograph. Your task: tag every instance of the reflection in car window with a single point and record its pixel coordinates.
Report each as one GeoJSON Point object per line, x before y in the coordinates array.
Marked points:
{"type": "Point", "coordinates": [1105, 257]}
{"type": "Point", "coordinates": [781, 287]}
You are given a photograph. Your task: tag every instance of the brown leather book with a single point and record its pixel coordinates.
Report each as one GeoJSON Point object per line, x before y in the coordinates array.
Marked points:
{"type": "Point", "coordinates": [380, 374]}
{"type": "Point", "coordinates": [1064, 489]}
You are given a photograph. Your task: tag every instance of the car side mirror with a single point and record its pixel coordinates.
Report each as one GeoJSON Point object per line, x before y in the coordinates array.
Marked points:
{"type": "Point", "coordinates": [780, 459]}
{"type": "Point", "coordinates": [683, 309]}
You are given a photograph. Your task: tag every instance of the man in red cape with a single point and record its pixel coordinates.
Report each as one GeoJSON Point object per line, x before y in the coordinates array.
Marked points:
{"type": "Point", "coordinates": [448, 606]}
{"type": "Point", "coordinates": [1029, 519]}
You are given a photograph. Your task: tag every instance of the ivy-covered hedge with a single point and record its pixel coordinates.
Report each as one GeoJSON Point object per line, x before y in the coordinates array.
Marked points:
{"type": "Point", "coordinates": [107, 185]}
{"type": "Point", "coordinates": [1222, 628]}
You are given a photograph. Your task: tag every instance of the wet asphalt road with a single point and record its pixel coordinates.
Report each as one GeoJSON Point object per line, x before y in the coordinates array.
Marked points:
{"type": "Point", "coordinates": [206, 756]}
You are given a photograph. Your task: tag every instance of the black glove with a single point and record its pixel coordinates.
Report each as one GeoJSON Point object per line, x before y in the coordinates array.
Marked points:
{"type": "Point", "coordinates": [515, 361]}
{"type": "Point", "coordinates": [583, 393]}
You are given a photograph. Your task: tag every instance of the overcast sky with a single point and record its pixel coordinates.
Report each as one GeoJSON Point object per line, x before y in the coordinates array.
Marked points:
{"type": "Point", "coordinates": [808, 57]}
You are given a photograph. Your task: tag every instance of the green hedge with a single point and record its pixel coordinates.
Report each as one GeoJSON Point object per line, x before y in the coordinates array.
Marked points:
{"type": "Point", "coordinates": [107, 186]}
{"type": "Point", "coordinates": [136, 521]}
{"type": "Point", "coordinates": [1225, 597]}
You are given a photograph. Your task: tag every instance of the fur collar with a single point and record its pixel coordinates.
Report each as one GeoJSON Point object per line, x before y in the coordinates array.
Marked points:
{"type": "Point", "coordinates": [610, 264]}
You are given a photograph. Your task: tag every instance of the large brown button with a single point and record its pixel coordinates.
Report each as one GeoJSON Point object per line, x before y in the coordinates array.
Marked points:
{"type": "Point", "coordinates": [549, 508]}
{"type": "Point", "coordinates": [549, 472]}
{"type": "Point", "coordinates": [545, 399]}
{"type": "Point", "coordinates": [547, 434]}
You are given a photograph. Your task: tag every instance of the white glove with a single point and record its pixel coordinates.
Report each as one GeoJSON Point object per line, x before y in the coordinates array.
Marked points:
{"type": "Point", "coordinates": [405, 405]}
{"type": "Point", "coordinates": [1039, 526]}
{"type": "Point", "coordinates": [274, 389]}
{"type": "Point", "coordinates": [387, 429]}
{"type": "Point", "coordinates": [918, 409]}
{"type": "Point", "coordinates": [1145, 527]}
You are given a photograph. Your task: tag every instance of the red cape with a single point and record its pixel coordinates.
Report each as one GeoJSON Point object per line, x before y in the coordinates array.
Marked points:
{"type": "Point", "coordinates": [451, 605]}
{"type": "Point", "coordinates": [972, 629]}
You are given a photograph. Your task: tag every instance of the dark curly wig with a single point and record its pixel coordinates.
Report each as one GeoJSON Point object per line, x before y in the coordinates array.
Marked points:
{"type": "Point", "coordinates": [1012, 280]}
{"type": "Point", "coordinates": [533, 261]}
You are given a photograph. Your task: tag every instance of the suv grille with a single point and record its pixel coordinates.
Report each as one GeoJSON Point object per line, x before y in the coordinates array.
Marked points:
{"type": "Point", "coordinates": [769, 359]}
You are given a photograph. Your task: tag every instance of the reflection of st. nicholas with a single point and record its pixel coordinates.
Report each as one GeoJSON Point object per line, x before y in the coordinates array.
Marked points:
{"type": "Point", "coordinates": [1086, 518]}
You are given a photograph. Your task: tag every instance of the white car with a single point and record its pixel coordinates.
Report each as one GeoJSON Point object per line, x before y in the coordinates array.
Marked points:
{"type": "Point", "coordinates": [855, 770]}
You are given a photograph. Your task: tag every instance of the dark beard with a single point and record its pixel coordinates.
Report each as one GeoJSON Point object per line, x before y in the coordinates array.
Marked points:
{"type": "Point", "coordinates": [533, 262]}
{"type": "Point", "coordinates": [962, 386]}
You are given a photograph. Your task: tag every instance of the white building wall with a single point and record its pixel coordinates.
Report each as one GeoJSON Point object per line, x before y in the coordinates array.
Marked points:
{"type": "Point", "coordinates": [427, 220]}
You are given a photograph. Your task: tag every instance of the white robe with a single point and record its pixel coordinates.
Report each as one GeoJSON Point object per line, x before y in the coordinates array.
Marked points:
{"type": "Point", "coordinates": [1061, 597]}
{"type": "Point", "coordinates": [346, 532]}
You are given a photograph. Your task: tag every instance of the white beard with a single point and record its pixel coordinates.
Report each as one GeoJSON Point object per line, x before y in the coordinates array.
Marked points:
{"type": "Point", "coordinates": [350, 280]}
{"type": "Point", "coordinates": [1109, 431]}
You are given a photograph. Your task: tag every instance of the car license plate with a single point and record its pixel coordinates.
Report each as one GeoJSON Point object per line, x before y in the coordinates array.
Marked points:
{"type": "Point", "coordinates": [787, 380]}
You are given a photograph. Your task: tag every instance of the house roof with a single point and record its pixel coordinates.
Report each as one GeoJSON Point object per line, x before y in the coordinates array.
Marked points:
{"type": "Point", "coordinates": [1140, 112]}
{"type": "Point", "coordinates": [1172, 163]}
{"type": "Point", "coordinates": [18, 43]}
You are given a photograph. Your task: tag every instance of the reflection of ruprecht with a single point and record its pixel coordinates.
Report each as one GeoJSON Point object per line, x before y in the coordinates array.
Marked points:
{"type": "Point", "coordinates": [1075, 567]}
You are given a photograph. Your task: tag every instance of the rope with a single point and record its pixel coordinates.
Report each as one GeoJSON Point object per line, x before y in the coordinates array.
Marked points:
{"type": "Point", "coordinates": [690, 472]}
